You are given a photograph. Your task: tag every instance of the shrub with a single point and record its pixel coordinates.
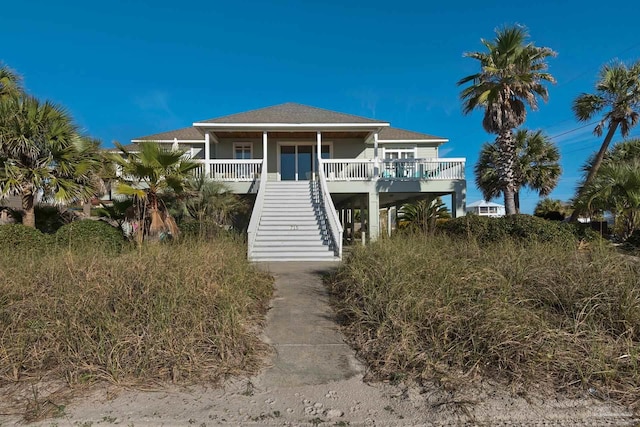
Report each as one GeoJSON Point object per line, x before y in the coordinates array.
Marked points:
{"type": "Point", "coordinates": [19, 237]}
{"type": "Point", "coordinates": [90, 234]}
{"type": "Point", "coordinates": [522, 227]}
{"type": "Point", "coordinates": [200, 229]}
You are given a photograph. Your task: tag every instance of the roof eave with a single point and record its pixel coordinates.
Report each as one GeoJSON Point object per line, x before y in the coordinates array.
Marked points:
{"type": "Point", "coordinates": [135, 141]}
{"type": "Point", "coordinates": [391, 141]}
{"type": "Point", "coordinates": [290, 126]}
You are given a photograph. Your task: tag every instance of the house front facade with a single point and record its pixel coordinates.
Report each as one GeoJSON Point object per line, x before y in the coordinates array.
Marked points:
{"type": "Point", "coordinates": [317, 175]}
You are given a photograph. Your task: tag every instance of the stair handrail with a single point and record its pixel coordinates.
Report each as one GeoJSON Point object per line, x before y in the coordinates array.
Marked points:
{"type": "Point", "coordinates": [256, 213]}
{"type": "Point", "coordinates": [330, 209]}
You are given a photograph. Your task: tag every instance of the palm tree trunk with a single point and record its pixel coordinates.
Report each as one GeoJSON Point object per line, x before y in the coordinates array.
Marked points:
{"type": "Point", "coordinates": [29, 218]}
{"type": "Point", "coordinates": [506, 174]}
{"type": "Point", "coordinates": [595, 166]}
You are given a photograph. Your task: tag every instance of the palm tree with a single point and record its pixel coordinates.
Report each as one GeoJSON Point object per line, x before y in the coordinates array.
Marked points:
{"type": "Point", "coordinates": [618, 97]}
{"type": "Point", "coordinates": [616, 188]}
{"type": "Point", "coordinates": [511, 78]}
{"type": "Point", "coordinates": [10, 82]}
{"type": "Point", "coordinates": [536, 166]}
{"type": "Point", "coordinates": [212, 201]}
{"type": "Point", "coordinates": [147, 174]}
{"type": "Point", "coordinates": [551, 209]}
{"type": "Point", "coordinates": [423, 214]}
{"type": "Point", "coordinates": [39, 155]}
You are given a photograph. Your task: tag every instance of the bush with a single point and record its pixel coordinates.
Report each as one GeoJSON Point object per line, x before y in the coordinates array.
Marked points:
{"type": "Point", "coordinates": [90, 234]}
{"type": "Point", "coordinates": [19, 237]}
{"type": "Point", "coordinates": [200, 229]}
{"type": "Point", "coordinates": [522, 227]}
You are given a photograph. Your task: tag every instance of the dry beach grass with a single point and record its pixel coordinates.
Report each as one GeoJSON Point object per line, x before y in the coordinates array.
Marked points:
{"type": "Point", "coordinates": [450, 310]}
{"type": "Point", "coordinates": [163, 313]}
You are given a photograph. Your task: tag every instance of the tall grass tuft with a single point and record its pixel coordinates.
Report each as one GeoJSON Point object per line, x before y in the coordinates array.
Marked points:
{"type": "Point", "coordinates": [179, 313]}
{"type": "Point", "coordinates": [444, 309]}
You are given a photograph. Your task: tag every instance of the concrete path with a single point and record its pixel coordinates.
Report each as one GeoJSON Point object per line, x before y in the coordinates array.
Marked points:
{"type": "Point", "coordinates": [301, 327]}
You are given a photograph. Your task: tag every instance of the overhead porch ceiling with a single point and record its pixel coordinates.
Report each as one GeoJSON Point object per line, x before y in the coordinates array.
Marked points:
{"type": "Point", "coordinates": [311, 136]}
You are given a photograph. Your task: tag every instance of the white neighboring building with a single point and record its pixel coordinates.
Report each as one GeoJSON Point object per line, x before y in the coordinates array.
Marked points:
{"type": "Point", "coordinates": [484, 208]}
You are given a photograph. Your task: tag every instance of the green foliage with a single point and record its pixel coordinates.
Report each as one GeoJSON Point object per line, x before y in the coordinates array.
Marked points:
{"type": "Point", "coordinates": [17, 237]}
{"type": "Point", "coordinates": [90, 234]}
{"type": "Point", "coordinates": [423, 214]}
{"type": "Point", "coordinates": [536, 313]}
{"type": "Point", "coordinates": [521, 227]}
{"type": "Point", "coordinates": [200, 229]}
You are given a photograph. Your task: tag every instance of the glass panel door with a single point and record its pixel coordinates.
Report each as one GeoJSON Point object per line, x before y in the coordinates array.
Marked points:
{"type": "Point", "coordinates": [288, 162]}
{"type": "Point", "coordinates": [305, 162]}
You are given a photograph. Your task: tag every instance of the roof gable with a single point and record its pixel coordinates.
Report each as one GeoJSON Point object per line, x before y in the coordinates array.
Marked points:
{"type": "Point", "coordinates": [291, 113]}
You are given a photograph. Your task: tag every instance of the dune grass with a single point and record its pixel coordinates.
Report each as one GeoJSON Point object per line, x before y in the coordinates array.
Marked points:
{"type": "Point", "coordinates": [445, 309]}
{"type": "Point", "coordinates": [185, 312]}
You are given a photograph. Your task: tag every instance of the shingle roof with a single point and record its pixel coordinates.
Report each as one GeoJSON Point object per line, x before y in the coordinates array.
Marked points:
{"type": "Point", "coordinates": [484, 203]}
{"type": "Point", "coordinates": [391, 134]}
{"type": "Point", "coordinates": [189, 133]}
{"type": "Point", "coordinates": [291, 113]}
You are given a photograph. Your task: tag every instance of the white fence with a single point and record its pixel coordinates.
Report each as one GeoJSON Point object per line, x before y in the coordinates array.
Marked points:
{"type": "Point", "coordinates": [393, 169]}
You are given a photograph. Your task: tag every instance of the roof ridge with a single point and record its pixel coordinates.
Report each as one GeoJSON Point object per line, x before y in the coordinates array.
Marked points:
{"type": "Point", "coordinates": [221, 119]}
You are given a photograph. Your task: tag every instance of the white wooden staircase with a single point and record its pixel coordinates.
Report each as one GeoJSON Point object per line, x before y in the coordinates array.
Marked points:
{"type": "Point", "coordinates": [292, 225]}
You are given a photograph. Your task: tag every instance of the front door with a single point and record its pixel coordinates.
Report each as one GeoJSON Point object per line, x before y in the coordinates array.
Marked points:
{"type": "Point", "coordinates": [297, 162]}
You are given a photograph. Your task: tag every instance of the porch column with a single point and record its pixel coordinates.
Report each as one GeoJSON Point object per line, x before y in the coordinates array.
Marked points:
{"type": "Point", "coordinates": [207, 146]}
{"type": "Point", "coordinates": [459, 200]}
{"type": "Point", "coordinates": [175, 146]}
{"type": "Point", "coordinates": [374, 216]}
{"type": "Point", "coordinates": [207, 154]}
{"type": "Point", "coordinates": [389, 223]}
{"type": "Point", "coordinates": [376, 165]}
{"type": "Point", "coordinates": [319, 149]}
{"type": "Point", "coordinates": [265, 171]}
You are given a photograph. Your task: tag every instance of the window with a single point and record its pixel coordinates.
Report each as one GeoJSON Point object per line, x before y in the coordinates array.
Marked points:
{"type": "Point", "coordinates": [399, 153]}
{"type": "Point", "coordinates": [242, 150]}
{"type": "Point", "coordinates": [395, 167]}
{"type": "Point", "coordinates": [484, 209]}
{"type": "Point", "coordinates": [493, 209]}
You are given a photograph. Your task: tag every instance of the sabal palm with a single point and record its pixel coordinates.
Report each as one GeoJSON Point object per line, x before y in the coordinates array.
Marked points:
{"type": "Point", "coordinates": [512, 77]}
{"type": "Point", "coordinates": [617, 97]}
{"type": "Point", "coordinates": [212, 201]}
{"type": "Point", "coordinates": [39, 154]}
{"type": "Point", "coordinates": [10, 82]}
{"type": "Point", "coordinates": [422, 214]}
{"type": "Point", "coordinates": [536, 166]}
{"type": "Point", "coordinates": [551, 208]}
{"type": "Point", "coordinates": [615, 188]}
{"type": "Point", "coordinates": [146, 175]}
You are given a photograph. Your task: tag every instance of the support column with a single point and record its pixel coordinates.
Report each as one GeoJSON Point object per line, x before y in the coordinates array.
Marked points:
{"type": "Point", "coordinates": [459, 200]}
{"type": "Point", "coordinates": [389, 223]}
{"type": "Point", "coordinates": [207, 155]}
{"type": "Point", "coordinates": [264, 174]}
{"type": "Point", "coordinates": [376, 165]}
{"type": "Point", "coordinates": [175, 146]}
{"type": "Point", "coordinates": [318, 149]}
{"type": "Point", "coordinates": [374, 216]}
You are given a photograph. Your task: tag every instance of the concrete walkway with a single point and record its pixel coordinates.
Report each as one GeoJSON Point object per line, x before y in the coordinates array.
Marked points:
{"type": "Point", "coordinates": [301, 327]}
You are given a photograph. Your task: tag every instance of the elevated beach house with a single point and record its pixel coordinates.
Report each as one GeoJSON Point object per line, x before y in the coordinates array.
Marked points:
{"type": "Point", "coordinates": [317, 177]}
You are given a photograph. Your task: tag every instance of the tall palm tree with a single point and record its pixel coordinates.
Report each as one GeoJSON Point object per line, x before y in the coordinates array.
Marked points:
{"type": "Point", "coordinates": [618, 97]}
{"type": "Point", "coordinates": [39, 154]}
{"type": "Point", "coordinates": [536, 166]}
{"type": "Point", "coordinates": [10, 82]}
{"type": "Point", "coordinates": [146, 175]}
{"type": "Point", "coordinates": [512, 76]}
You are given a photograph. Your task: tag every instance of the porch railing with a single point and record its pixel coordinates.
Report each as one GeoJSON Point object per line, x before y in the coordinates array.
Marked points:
{"type": "Point", "coordinates": [256, 213]}
{"type": "Point", "coordinates": [330, 210]}
{"type": "Point", "coordinates": [348, 169]}
{"type": "Point", "coordinates": [231, 169]}
{"type": "Point", "coordinates": [393, 169]}
{"type": "Point", "coordinates": [422, 169]}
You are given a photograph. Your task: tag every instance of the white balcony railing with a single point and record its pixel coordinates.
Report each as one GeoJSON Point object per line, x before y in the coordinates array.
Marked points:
{"type": "Point", "coordinates": [393, 169]}
{"type": "Point", "coordinates": [348, 169]}
{"type": "Point", "coordinates": [231, 170]}
{"type": "Point", "coordinates": [422, 169]}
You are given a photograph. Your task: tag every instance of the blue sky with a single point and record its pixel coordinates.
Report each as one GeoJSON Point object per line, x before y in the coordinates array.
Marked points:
{"type": "Point", "coordinates": [130, 68]}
